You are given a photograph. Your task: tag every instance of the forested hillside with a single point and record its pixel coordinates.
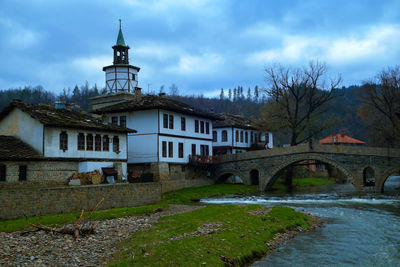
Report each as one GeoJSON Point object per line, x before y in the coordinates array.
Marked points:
{"type": "Point", "coordinates": [247, 103]}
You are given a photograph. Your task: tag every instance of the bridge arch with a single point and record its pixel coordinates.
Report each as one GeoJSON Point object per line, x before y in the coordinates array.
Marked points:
{"type": "Point", "coordinates": [223, 176]}
{"type": "Point", "coordinates": [271, 177]}
{"type": "Point", "coordinates": [394, 171]}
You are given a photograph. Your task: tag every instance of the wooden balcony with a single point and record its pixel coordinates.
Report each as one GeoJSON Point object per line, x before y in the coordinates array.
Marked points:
{"type": "Point", "coordinates": [203, 160]}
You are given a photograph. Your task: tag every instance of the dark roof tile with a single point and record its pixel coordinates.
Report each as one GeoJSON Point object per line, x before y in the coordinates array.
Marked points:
{"type": "Point", "coordinates": [13, 148]}
{"type": "Point", "coordinates": [50, 116]}
{"type": "Point", "coordinates": [146, 102]}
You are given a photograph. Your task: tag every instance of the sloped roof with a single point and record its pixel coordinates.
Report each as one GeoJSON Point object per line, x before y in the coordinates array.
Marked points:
{"type": "Point", "coordinates": [12, 148]}
{"type": "Point", "coordinates": [231, 120]}
{"type": "Point", "coordinates": [146, 102]}
{"type": "Point", "coordinates": [50, 116]}
{"type": "Point", "coordinates": [120, 39]}
{"type": "Point", "coordinates": [341, 139]}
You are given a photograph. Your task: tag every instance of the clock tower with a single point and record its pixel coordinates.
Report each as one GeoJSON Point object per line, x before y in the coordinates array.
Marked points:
{"type": "Point", "coordinates": [120, 76]}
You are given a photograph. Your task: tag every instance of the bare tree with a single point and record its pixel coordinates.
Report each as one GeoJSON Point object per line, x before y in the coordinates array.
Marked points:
{"type": "Point", "coordinates": [381, 107]}
{"type": "Point", "coordinates": [297, 98]}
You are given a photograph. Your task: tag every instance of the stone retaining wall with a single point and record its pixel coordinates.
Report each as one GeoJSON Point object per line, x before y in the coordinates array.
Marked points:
{"type": "Point", "coordinates": [34, 201]}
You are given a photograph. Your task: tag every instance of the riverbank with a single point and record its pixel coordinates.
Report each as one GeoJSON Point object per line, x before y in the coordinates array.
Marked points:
{"type": "Point", "coordinates": [163, 234]}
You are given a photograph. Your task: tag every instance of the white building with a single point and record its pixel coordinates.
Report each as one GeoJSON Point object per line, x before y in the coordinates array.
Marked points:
{"type": "Point", "coordinates": [52, 143]}
{"type": "Point", "coordinates": [235, 134]}
{"type": "Point", "coordinates": [168, 131]}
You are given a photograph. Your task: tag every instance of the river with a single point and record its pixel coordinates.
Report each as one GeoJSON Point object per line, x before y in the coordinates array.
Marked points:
{"type": "Point", "coordinates": [360, 229]}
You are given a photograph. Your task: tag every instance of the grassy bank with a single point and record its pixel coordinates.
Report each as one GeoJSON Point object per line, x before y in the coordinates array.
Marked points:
{"type": "Point", "coordinates": [193, 195]}
{"type": "Point", "coordinates": [212, 236]}
{"type": "Point", "coordinates": [302, 184]}
{"type": "Point", "coordinates": [60, 219]}
{"type": "Point", "coordinates": [184, 196]}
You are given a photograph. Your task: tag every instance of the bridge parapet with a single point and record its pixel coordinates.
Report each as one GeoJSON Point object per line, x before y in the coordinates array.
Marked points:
{"type": "Point", "coordinates": [316, 148]}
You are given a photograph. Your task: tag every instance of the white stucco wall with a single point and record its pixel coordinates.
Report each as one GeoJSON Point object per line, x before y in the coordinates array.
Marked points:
{"type": "Point", "coordinates": [187, 148]}
{"type": "Point", "coordinates": [20, 124]}
{"type": "Point", "coordinates": [52, 145]}
{"type": "Point", "coordinates": [190, 125]}
{"type": "Point", "coordinates": [219, 137]}
{"type": "Point", "coordinates": [142, 148]}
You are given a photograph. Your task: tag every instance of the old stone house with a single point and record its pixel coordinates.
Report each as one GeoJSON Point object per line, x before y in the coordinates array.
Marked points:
{"type": "Point", "coordinates": [41, 143]}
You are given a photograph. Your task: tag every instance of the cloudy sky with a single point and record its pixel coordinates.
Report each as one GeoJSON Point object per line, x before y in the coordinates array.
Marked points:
{"type": "Point", "coordinates": [200, 45]}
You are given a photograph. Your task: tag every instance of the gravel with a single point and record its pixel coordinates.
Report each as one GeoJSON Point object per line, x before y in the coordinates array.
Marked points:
{"type": "Point", "coordinates": [45, 249]}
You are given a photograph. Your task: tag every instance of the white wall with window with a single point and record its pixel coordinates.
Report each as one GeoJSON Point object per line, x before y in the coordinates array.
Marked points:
{"type": "Point", "coordinates": [195, 127]}
{"type": "Point", "coordinates": [93, 144]}
{"type": "Point", "coordinates": [178, 150]}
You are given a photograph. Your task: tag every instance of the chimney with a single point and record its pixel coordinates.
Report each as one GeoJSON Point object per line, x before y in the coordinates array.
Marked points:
{"type": "Point", "coordinates": [138, 93]}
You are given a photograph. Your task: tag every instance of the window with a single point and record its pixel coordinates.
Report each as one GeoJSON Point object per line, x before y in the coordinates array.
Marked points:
{"type": "Point", "coordinates": [196, 126]}
{"type": "Point", "coordinates": [165, 120]}
{"type": "Point", "coordinates": [2, 173]}
{"type": "Point", "coordinates": [116, 144]}
{"type": "Point", "coordinates": [89, 142]}
{"type": "Point", "coordinates": [63, 141]}
{"type": "Point", "coordinates": [246, 137]}
{"type": "Point", "coordinates": [164, 149]}
{"type": "Point", "coordinates": [114, 120]}
{"type": "Point", "coordinates": [207, 128]}
{"type": "Point", "coordinates": [122, 121]}
{"type": "Point", "coordinates": [106, 143]}
{"type": "Point", "coordinates": [183, 123]}
{"type": "Point", "coordinates": [170, 149]}
{"type": "Point", "coordinates": [193, 149]}
{"type": "Point", "coordinates": [237, 135]}
{"type": "Point", "coordinates": [81, 141]}
{"type": "Point", "coordinates": [171, 121]}
{"type": "Point", "coordinates": [215, 136]}
{"type": "Point", "coordinates": [22, 172]}
{"type": "Point", "coordinates": [180, 148]}
{"type": "Point", "coordinates": [259, 137]}
{"type": "Point", "coordinates": [251, 137]}
{"type": "Point", "coordinates": [201, 126]}
{"type": "Point", "coordinates": [241, 136]}
{"type": "Point", "coordinates": [224, 136]}
{"type": "Point", "coordinates": [97, 142]}
{"type": "Point", "coordinates": [204, 150]}
{"type": "Point", "coordinates": [255, 138]}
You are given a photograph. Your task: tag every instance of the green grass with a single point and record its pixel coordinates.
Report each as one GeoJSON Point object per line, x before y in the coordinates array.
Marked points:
{"type": "Point", "coordinates": [242, 237]}
{"type": "Point", "coordinates": [60, 219]}
{"type": "Point", "coordinates": [302, 184]}
{"type": "Point", "coordinates": [190, 195]}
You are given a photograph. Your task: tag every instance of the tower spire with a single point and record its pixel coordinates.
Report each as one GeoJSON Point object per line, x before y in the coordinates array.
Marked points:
{"type": "Point", "coordinates": [120, 38]}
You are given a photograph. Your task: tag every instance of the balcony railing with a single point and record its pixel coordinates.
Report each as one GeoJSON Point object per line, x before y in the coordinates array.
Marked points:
{"type": "Point", "coordinates": [203, 160]}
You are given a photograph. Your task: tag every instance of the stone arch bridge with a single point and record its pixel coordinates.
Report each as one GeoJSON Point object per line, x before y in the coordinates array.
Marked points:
{"type": "Point", "coordinates": [260, 167]}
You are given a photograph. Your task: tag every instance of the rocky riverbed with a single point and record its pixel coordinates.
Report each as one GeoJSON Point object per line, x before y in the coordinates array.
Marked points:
{"type": "Point", "coordinates": [45, 249]}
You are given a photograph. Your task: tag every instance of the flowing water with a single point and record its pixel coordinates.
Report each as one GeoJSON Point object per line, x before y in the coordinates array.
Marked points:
{"type": "Point", "coordinates": [359, 230]}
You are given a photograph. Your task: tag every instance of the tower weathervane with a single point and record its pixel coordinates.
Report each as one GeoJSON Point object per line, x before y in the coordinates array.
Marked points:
{"type": "Point", "coordinates": [120, 24]}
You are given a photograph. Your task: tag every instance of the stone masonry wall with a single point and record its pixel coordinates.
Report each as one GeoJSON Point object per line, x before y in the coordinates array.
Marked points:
{"type": "Point", "coordinates": [35, 201]}
{"type": "Point", "coordinates": [44, 172]}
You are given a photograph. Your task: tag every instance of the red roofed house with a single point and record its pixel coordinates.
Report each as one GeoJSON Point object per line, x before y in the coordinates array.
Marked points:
{"type": "Point", "coordinates": [340, 139]}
